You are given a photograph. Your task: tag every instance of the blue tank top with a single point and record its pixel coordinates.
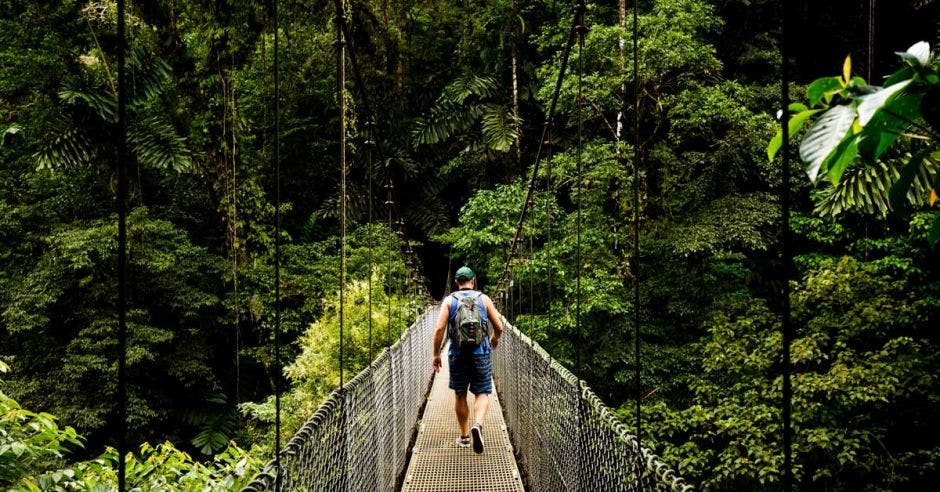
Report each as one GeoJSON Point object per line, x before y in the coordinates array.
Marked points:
{"type": "Point", "coordinates": [484, 347]}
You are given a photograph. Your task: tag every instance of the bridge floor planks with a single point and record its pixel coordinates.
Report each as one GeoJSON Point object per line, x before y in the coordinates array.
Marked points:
{"type": "Point", "coordinates": [439, 465]}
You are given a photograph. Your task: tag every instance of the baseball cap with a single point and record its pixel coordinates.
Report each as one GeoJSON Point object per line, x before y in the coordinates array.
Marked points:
{"type": "Point", "coordinates": [464, 273]}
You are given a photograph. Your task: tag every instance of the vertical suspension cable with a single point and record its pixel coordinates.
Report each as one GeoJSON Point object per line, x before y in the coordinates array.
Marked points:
{"type": "Point", "coordinates": [787, 252]}
{"type": "Point", "coordinates": [277, 249]}
{"type": "Point", "coordinates": [637, 156]}
{"type": "Point", "coordinates": [400, 280]}
{"type": "Point", "coordinates": [388, 254]}
{"type": "Point", "coordinates": [550, 196]}
{"type": "Point", "coordinates": [339, 43]}
{"type": "Point", "coordinates": [581, 29]}
{"type": "Point", "coordinates": [370, 142]}
{"type": "Point", "coordinates": [122, 244]}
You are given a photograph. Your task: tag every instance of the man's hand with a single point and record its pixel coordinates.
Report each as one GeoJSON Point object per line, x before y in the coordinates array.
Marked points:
{"type": "Point", "coordinates": [494, 341]}
{"type": "Point", "coordinates": [436, 362]}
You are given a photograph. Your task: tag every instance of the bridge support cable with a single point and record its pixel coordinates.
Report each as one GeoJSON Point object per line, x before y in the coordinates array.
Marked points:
{"type": "Point", "coordinates": [580, 29]}
{"type": "Point", "coordinates": [340, 44]}
{"type": "Point", "coordinates": [637, 156]}
{"type": "Point", "coordinates": [787, 249]}
{"type": "Point", "coordinates": [542, 417]}
{"type": "Point", "coordinates": [277, 248]}
{"type": "Point", "coordinates": [369, 144]}
{"type": "Point", "coordinates": [121, 165]}
{"type": "Point", "coordinates": [357, 440]}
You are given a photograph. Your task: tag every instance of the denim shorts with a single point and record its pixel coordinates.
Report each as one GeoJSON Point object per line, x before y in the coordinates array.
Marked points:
{"type": "Point", "coordinates": [473, 371]}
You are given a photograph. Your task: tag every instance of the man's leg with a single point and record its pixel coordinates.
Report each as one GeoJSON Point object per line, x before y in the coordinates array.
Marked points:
{"type": "Point", "coordinates": [481, 383]}
{"type": "Point", "coordinates": [463, 412]}
{"type": "Point", "coordinates": [480, 405]}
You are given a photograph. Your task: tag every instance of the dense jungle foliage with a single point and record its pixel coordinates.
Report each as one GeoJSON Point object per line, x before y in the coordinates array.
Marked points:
{"type": "Point", "coordinates": [461, 90]}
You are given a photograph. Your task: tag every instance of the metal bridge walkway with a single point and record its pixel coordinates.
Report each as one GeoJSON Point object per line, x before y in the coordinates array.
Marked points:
{"type": "Point", "coordinates": [439, 465]}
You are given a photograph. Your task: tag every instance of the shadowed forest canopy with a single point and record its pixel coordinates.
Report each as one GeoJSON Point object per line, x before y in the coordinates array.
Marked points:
{"type": "Point", "coordinates": [460, 92]}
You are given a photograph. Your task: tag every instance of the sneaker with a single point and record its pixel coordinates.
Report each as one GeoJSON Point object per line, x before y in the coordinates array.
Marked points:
{"type": "Point", "coordinates": [477, 433]}
{"type": "Point", "coordinates": [463, 441]}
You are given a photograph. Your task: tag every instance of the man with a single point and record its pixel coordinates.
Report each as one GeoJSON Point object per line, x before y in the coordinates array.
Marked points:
{"type": "Point", "coordinates": [471, 366]}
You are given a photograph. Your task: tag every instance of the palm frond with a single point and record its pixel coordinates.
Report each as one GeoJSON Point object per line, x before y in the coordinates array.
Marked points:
{"type": "Point", "coordinates": [157, 144]}
{"type": "Point", "coordinates": [467, 85]}
{"type": "Point", "coordinates": [444, 120]}
{"type": "Point", "coordinates": [68, 147]}
{"type": "Point", "coordinates": [98, 100]}
{"type": "Point", "coordinates": [150, 76]}
{"type": "Point", "coordinates": [866, 190]}
{"type": "Point", "coordinates": [500, 127]}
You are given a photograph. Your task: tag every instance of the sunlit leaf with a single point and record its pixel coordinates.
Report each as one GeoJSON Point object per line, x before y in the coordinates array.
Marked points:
{"type": "Point", "coordinates": [821, 87]}
{"type": "Point", "coordinates": [870, 104]}
{"type": "Point", "coordinates": [824, 136]}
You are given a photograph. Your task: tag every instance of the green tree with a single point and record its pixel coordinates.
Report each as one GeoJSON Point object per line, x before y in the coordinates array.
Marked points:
{"type": "Point", "coordinates": [863, 382]}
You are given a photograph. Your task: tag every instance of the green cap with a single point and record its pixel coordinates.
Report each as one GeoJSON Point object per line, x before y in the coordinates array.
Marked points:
{"type": "Point", "coordinates": [464, 273]}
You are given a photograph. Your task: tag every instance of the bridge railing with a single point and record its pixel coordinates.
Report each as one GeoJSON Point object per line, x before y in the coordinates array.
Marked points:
{"type": "Point", "coordinates": [358, 439]}
{"type": "Point", "coordinates": [565, 442]}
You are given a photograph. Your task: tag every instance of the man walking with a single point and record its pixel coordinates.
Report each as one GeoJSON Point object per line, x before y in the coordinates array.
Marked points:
{"type": "Point", "coordinates": [473, 327]}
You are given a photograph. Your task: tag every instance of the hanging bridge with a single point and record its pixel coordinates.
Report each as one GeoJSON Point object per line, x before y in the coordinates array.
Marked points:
{"type": "Point", "coordinates": [557, 435]}
{"type": "Point", "coordinates": [386, 428]}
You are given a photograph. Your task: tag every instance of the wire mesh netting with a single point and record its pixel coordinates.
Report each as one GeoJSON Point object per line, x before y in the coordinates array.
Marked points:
{"type": "Point", "coordinates": [566, 438]}
{"type": "Point", "coordinates": [358, 439]}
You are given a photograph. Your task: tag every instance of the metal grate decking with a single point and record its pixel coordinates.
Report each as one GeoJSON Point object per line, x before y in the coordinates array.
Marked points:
{"type": "Point", "coordinates": [438, 464]}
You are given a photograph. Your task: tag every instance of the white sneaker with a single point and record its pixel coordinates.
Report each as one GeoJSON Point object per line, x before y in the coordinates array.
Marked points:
{"type": "Point", "coordinates": [463, 442]}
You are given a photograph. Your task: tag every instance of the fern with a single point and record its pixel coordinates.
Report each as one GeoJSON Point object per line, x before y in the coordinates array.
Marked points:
{"type": "Point", "coordinates": [866, 190]}
{"type": "Point", "coordinates": [157, 144]}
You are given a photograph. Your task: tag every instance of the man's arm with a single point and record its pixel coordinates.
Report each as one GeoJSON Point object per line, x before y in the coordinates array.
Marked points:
{"type": "Point", "coordinates": [495, 319]}
{"type": "Point", "coordinates": [439, 333]}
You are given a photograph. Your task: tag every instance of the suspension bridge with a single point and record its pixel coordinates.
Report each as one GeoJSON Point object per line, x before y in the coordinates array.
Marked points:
{"type": "Point", "coordinates": [547, 430]}
{"type": "Point", "coordinates": [392, 425]}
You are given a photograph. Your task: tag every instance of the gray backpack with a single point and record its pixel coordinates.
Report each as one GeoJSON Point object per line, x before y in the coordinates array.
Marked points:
{"type": "Point", "coordinates": [468, 323]}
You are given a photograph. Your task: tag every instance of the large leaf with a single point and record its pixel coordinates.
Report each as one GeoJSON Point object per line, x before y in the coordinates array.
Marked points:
{"type": "Point", "coordinates": [824, 136]}
{"type": "Point", "coordinates": [840, 159]}
{"type": "Point", "coordinates": [796, 122]}
{"type": "Point", "coordinates": [500, 128]}
{"type": "Point", "coordinates": [821, 88]}
{"type": "Point", "coordinates": [883, 129]}
{"type": "Point", "coordinates": [870, 104]}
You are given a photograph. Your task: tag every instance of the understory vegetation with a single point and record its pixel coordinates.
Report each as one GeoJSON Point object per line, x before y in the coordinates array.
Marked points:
{"type": "Point", "coordinates": [461, 91]}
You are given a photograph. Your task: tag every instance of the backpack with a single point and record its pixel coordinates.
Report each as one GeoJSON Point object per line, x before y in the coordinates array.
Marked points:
{"type": "Point", "coordinates": [468, 323]}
